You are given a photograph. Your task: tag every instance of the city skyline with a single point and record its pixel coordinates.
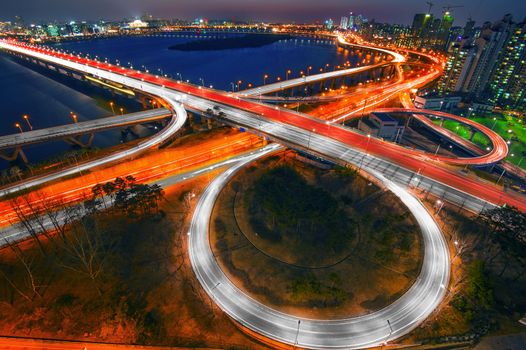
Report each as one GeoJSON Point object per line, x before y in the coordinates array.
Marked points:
{"type": "Point", "coordinates": [272, 11]}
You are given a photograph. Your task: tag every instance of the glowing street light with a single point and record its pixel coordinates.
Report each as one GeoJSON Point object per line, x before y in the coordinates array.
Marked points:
{"type": "Point", "coordinates": [17, 125]}
{"type": "Point", "coordinates": [122, 111]}
{"type": "Point", "coordinates": [439, 205]}
{"type": "Point", "coordinates": [26, 118]}
{"type": "Point", "coordinates": [310, 135]}
{"type": "Point", "coordinates": [112, 109]}
{"type": "Point", "coordinates": [287, 74]}
{"type": "Point", "coordinates": [495, 119]}
{"type": "Point", "coordinates": [265, 77]}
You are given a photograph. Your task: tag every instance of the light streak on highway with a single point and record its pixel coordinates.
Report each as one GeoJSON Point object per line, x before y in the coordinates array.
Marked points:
{"type": "Point", "coordinates": [153, 166]}
{"type": "Point", "coordinates": [398, 58]}
{"type": "Point", "coordinates": [16, 233]}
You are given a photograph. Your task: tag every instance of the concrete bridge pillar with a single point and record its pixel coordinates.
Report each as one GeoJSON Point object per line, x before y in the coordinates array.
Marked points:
{"type": "Point", "coordinates": [17, 153]}
{"type": "Point", "coordinates": [209, 123]}
{"type": "Point", "coordinates": [77, 141]}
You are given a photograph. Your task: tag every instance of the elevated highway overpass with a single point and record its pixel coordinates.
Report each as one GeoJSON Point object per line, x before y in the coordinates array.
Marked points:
{"type": "Point", "coordinates": [82, 128]}
{"type": "Point", "coordinates": [199, 98]}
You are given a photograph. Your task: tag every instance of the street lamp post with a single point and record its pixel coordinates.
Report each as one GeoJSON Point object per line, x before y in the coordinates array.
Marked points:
{"type": "Point", "coordinates": [439, 205]}
{"type": "Point", "coordinates": [297, 334]}
{"type": "Point", "coordinates": [310, 135]}
{"type": "Point", "coordinates": [364, 105]}
{"type": "Point", "coordinates": [368, 140]}
{"type": "Point", "coordinates": [202, 81]}
{"type": "Point", "coordinates": [26, 118]}
{"type": "Point", "coordinates": [438, 148]}
{"type": "Point", "coordinates": [287, 74]}
{"type": "Point", "coordinates": [17, 125]}
{"type": "Point", "coordinates": [500, 177]}
{"type": "Point", "coordinates": [265, 77]}
{"type": "Point", "coordinates": [495, 119]}
{"type": "Point", "coordinates": [112, 109]}
{"type": "Point", "coordinates": [122, 111]}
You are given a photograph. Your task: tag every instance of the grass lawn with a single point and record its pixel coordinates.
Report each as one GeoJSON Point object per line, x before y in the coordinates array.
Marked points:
{"type": "Point", "coordinates": [510, 128]}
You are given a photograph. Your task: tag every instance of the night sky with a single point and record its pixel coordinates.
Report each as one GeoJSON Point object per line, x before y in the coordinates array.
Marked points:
{"type": "Point", "coordinates": [392, 11]}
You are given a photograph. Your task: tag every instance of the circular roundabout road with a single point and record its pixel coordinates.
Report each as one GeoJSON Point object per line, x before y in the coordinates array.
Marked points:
{"type": "Point", "coordinates": [374, 329]}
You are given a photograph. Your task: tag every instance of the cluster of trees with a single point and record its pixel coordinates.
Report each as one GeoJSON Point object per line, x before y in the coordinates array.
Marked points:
{"type": "Point", "coordinates": [507, 233]}
{"type": "Point", "coordinates": [67, 237]}
{"type": "Point", "coordinates": [497, 253]}
{"type": "Point", "coordinates": [477, 299]}
{"type": "Point", "coordinates": [127, 196]}
{"type": "Point", "coordinates": [74, 237]}
{"type": "Point", "coordinates": [285, 204]}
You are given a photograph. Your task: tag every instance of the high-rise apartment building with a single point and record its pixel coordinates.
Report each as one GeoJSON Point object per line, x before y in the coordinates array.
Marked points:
{"type": "Point", "coordinates": [508, 82]}
{"type": "Point", "coordinates": [344, 23]}
{"type": "Point", "coordinates": [460, 59]}
{"type": "Point", "coordinates": [493, 66]}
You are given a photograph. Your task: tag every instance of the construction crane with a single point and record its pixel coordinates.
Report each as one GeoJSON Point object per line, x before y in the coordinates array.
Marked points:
{"type": "Point", "coordinates": [448, 8]}
{"type": "Point", "coordinates": [430, 6]}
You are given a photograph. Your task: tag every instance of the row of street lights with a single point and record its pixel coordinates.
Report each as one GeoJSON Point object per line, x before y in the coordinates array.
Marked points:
{"type": "Point", "coordinates": [73, 116]}
{"type": "Point", "coordinates": [29, 125]}
{"type": "Point", "coordinates": [301, 72]}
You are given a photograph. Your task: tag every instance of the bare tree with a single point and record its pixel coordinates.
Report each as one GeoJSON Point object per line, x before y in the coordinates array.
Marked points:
{"type": "Point", "coordinates": [86, 250]}
{"type": "Point", "coordinates": [28, 264]}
